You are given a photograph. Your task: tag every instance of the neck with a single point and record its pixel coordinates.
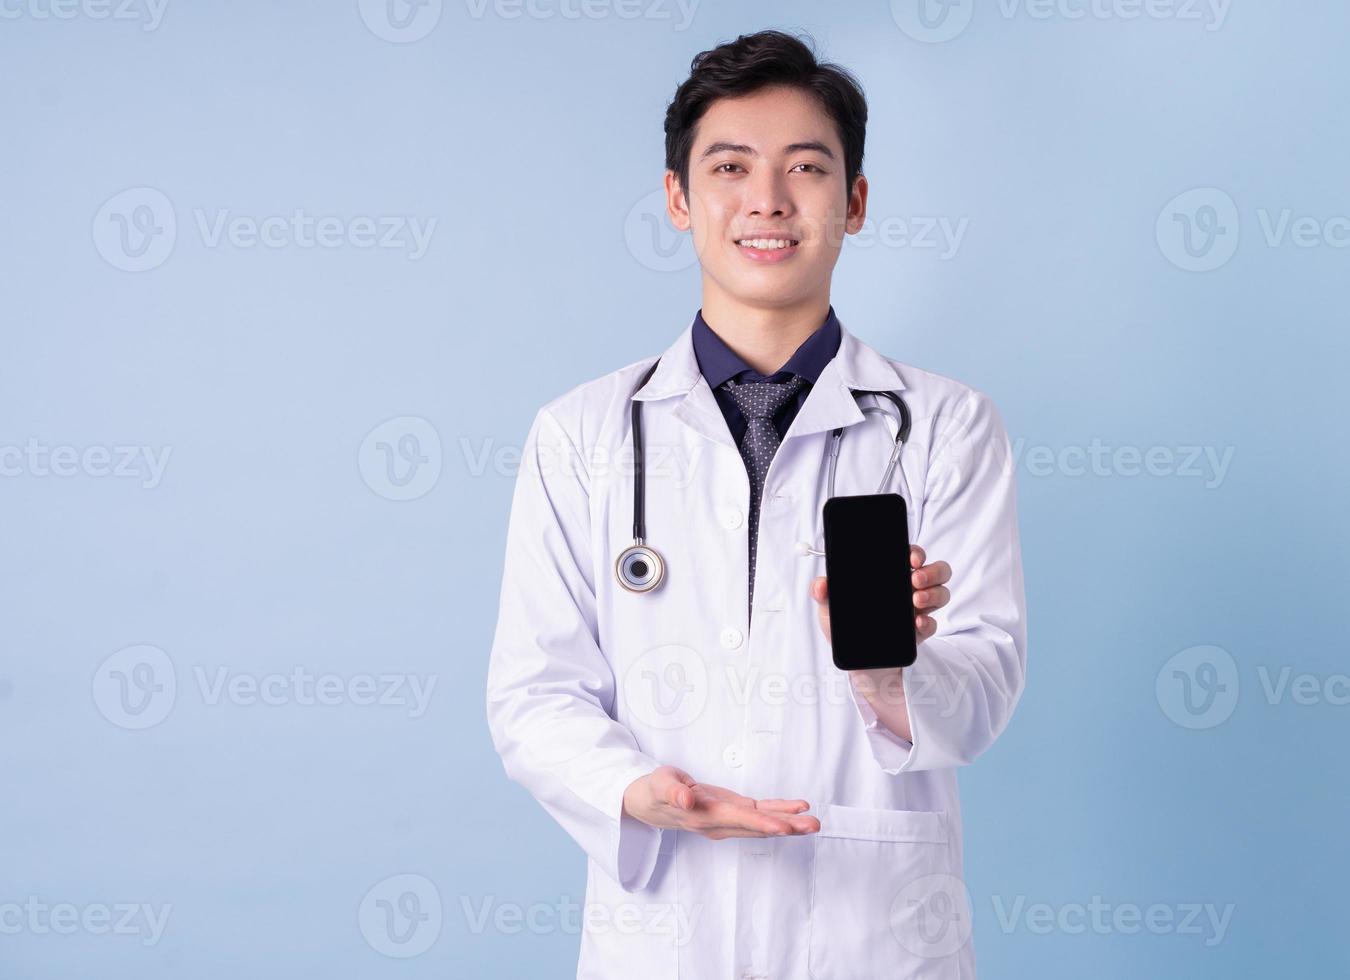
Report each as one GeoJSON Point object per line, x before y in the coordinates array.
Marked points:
{"type": "Point", "coordinates": [763, 337]}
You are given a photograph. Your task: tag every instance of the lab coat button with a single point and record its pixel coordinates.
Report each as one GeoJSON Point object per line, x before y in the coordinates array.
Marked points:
{"type": "Point", "coordinates": [732, 638]}
{"type": "Point", "coordinates": [733, 756]}
{"type": "Point", "coordinates": [732, 518]}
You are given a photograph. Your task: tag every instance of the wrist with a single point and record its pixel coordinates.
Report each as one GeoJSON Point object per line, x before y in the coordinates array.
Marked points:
{"type": "Point", "coordinates": [883, 685]}
{"type": "Point", "coordinates": [630, 797]}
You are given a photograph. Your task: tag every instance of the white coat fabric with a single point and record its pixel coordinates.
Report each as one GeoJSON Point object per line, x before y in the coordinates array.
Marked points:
{"type": "Point", "coordinates": [590, 686]}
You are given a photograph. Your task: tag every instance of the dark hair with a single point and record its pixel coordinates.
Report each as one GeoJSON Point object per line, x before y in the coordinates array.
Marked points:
{"type": "Point", "coordinates": [756, 61]}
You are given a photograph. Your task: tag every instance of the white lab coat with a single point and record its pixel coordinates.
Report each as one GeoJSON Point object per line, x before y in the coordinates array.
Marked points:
{"type": "Point", "coordinates": [590, 687]}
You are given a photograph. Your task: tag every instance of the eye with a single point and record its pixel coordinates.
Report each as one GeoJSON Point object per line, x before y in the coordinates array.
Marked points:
{"type": "Point", "coordinates": [718, 168]}
{"type": "Point", "coordinates": [811, 165]}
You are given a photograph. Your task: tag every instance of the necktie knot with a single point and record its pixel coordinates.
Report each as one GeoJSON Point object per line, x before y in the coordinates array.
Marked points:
{"type": "Point", "coordinates": [764, 399]}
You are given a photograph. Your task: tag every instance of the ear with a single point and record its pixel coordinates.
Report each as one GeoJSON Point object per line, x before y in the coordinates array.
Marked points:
{"type": "Point", "coordinates": [857, 206]}
{"type": "Point", "coordinates": [677, 203]}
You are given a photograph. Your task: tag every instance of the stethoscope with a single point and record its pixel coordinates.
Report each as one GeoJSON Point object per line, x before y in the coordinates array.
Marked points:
{"type": "Point", "coordinates": [640, 568]}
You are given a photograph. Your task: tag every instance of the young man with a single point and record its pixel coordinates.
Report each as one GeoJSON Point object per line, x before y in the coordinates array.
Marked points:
{"type": "Point", "coordinates": [748, 810]}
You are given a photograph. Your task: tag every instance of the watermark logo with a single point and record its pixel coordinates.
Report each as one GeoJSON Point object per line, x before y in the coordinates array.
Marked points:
{"type": "Point", "coordinates": [931, 917]}
{"type": "Point", "coordinates": [666, 687]}
{"type": "Point", "coordinates": [653, 240]}
{"type": "Point", "coordinates": [1198, 230]}
{"type": "Point", "coordinates": [135, 687]}
{"type": "Point", "coordinates": [401, 459]}
{"type": "Point", "coordinates": [400, 21]}
{"type": "Point", "coordinates": [1198, 687]}
{"type": "Point", "coordinates": [135, 229]}
{"type": "Point", "coordinates": [400, 917]}
{"type": "Point", "coordinates": [932, 21]}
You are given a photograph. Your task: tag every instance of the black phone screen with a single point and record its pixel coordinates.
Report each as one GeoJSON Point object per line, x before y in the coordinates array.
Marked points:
{"type": "Point", "coordinates": [871, 594]}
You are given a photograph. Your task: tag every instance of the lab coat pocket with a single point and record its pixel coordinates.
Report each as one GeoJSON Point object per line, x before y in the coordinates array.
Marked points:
{"type": "Point", "coordinates": [883, 900]}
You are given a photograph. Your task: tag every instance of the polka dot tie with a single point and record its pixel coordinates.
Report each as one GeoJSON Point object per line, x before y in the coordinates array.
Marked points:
{"type": "Point", "coordinates": [759, 403]}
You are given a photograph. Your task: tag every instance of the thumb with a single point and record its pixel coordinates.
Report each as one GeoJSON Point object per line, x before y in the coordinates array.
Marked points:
{"type": "Point", "coordinates": [673, 786]}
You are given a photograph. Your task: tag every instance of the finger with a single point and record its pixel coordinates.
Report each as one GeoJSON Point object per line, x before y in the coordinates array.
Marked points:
{"type": "Point", "coordinates": [820, 590]}
{"type": "Point", "coordinates": [793, 806]}
{"type": "Point", "coordinates": [745, 816]}
{"type": "Point", "coordinates": [916, 556]}
{"type": "Point", "coordinates": [711, 794]}
{"type": "Point", "coordinates": [682, 796]}
{"type": "Point", "coordinates": [809, 825]}
{"type": "Point", "coordinates": [750, 820]}
{"type": "Point", "coordinates": [934, 597]}
{"type": "Point", "coordinates": [722, 833]}
{"type": "Point", "coordinates": [924, 626]}
{"type": "Point", "coordinates": [938, 573]}
{"type": "Point", "coordinates": [794, 827]}
{"type": "Point", "coordinates": [746, 822]}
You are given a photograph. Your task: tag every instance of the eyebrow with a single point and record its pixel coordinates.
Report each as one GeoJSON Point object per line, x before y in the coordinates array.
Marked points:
{"type": "Point", "coordinates": [724, 147]}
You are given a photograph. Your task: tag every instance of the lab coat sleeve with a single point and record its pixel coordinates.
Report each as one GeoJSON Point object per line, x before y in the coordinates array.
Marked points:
{"type": "Point", "coordinates": [550, 689]}
{"type": "Point", "coordinates": [961, 690]}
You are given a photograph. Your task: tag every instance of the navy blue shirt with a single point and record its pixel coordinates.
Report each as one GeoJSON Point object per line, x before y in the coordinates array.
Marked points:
{"type": "Point", "coordinates": [719, 363]}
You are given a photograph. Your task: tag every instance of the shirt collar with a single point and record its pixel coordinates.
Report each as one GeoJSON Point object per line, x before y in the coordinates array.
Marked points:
{"type": "Point", "coordinates": [719, 363]}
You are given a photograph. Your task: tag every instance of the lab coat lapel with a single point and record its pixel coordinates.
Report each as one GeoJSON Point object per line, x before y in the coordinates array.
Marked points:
{"type": "Point", "coordinates": [678, 375]}
{"type": "Point", "coordinates": [830, 404]}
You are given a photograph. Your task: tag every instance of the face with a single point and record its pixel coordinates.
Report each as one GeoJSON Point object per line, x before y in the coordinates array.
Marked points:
{"type": "Point", "coordinates": [769, 165]}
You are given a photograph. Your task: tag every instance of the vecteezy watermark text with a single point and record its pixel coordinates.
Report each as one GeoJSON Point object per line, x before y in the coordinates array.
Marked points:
{"type": "Point", "coordinates": [136, 230]}
{"type": "Point", "coordinates": [1103, 918]}
{"type": "Point", "coordinates": [937, 21]}
{"type": "Point", "coordinates": [39, 460]}
{"type": "Point", "coordinates": [136, 687]}
{"type": "Point", "coordinates": [149, 12]}
{"type": "Point", "coordinates": [1207, 463]}
{"type": "Point", "coordinates": [38, 918]}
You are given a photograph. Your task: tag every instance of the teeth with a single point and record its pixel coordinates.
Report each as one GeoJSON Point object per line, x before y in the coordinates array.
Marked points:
{"type": "Point", "coordinates": [766, 243]}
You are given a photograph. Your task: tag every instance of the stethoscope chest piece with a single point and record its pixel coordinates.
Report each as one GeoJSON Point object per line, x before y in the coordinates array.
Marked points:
{"type": "Point", "coordinates": [639, 568]}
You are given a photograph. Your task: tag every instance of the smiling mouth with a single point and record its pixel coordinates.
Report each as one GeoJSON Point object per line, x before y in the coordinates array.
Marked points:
{"type": "Point", "coordinates": [767, 244]}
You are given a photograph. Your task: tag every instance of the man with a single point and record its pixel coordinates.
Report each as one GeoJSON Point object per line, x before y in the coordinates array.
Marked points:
{"type": "Point", "coordinates": [747, 810]}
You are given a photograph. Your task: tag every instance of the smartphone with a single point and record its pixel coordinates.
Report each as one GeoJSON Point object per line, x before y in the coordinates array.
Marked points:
{"type": "Point", "coordinates": [871, 591]}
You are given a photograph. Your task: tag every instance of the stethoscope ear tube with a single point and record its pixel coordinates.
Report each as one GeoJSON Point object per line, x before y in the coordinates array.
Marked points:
{"type": "Point", "coordinates": [901, 437]}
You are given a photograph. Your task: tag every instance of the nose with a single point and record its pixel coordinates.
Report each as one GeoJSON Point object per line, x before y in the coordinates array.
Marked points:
{"type": "Point", "coordinates": [768, 194]}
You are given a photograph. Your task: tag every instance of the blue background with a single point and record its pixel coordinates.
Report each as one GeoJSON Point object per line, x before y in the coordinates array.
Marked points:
{"type": "Point", "coordinates": [272, 540]}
